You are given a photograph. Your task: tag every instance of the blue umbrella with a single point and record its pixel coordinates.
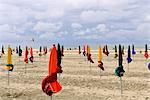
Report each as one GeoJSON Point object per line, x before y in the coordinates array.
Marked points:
{"type": "Point", "coordinates": [129, 55]}
{"type": "Point", "coordinates": [133, 52]}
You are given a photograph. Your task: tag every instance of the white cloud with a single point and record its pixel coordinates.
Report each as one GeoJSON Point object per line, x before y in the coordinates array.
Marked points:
{"type": "Point", "coordinates": [147, 18]}
{"type": "Point", "coordinates": [90, 36]}
{"type": "Point", "coordinates": [94, 16]}
{"type": "Point", "coordinates": [79, 33]}
{"type": "Point", "coordinates": [47, 27]}
{"type": "Point", "coordinates": [47, 36]}
{"type": "Point", "coordinates": [7, 33]}
{"type": "Point", "coordinates": [89, 19]}
{"type": "Point", "coordinates": [11, 14]}
{"type": "Point", "coordinates": [49, 14]}
{"type": "Point", "coordinates": [101, 28]}
{"type": "Point", "coordinates": [80, 4]}
{"type": "Point", "coordinates": [144, 28]}
{"type": "Point", "coordinates": [76, 25]}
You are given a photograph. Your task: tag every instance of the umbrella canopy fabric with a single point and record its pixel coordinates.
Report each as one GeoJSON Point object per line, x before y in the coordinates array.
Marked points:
{"type": "Point", "coordinates": [50, 84]}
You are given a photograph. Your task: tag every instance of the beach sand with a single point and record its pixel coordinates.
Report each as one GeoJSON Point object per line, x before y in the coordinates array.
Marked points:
{"type": "Point", "coordinates": [80, 80]}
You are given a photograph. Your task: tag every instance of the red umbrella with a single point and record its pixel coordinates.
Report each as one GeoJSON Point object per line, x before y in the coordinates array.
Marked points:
{"type": "Point", "coordinates": [146, 52]}
{"type": "Point", "coordinates": [31, 55]}
{"type": "Point", "coordinates": [26, 55]}
{"type": "Point", "coordinates": [50, 84]}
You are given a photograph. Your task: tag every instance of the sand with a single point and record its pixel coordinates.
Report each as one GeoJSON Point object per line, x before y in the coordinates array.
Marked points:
{"type": "Point", "coordinates": [80, 79]}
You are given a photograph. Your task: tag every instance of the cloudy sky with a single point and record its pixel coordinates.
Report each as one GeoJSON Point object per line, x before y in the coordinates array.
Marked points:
{"type": "Point", "coordinates": [74, 22]}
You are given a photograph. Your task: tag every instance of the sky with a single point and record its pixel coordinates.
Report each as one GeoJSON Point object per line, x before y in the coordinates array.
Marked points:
{"type": "Point", "coordinates": [74, 22]}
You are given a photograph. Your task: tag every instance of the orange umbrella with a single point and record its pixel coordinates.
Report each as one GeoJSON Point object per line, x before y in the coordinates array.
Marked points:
{"type": "Point", "coordinates": [50, 84]}
{"type": "Point", "coordinates": [52, 68]}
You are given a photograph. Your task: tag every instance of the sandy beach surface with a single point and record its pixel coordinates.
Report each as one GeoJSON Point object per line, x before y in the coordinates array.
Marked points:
{"type": "Point", "coordinates": [80, 79]}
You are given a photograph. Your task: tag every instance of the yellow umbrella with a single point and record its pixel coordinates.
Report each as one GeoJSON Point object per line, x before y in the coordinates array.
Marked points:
{"type": "Point", "coordinates": [100, 54]}
{"type": "Point", "coordinates": [88, 50]}
{"type": "Point", "coordinates": [100, 63]}
{"type": "Point", "coordinates": [9, 65]}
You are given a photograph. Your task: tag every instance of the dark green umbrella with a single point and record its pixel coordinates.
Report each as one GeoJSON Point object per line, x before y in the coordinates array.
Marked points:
{"type": "Point", "coordinates": [79, 50]}
{"type": "Point", "coordinates": [116, 55]}
{"type": "Point", "coordinates": [40, 54]}
{"type": "Point", "coordinates": [20, 51]}
{"type": "Point", "coordinates": [62, 50]}
{"type": "Point", "coordinates": [59, 58]}
{"type": "Point", "coordinates": [119, 71]}
{"type": "Point", "coordinates": [3, 50]}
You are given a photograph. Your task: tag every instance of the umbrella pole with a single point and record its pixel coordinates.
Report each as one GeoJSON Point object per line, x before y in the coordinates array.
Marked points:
{"type": "Point", "coordinates": [128, 67]}
{"type": "Point", "coordinates": [116, 62]}
{"type": "Point", "coordinates": [40, 59]}
{"type": "Point", "coordinates": [8, 77]}
{"type": "Point", "coordinates": [100, 73]}
{"type": "Point", "coordinates": [90, 66]}
{"type": "Point", "coordinates": [51, 98]}
{"type": "Point", "coordinates": [8, 83]}
{"type": "Point", "coordinates": [146, 62]}
{"type": "Point", "coordinates": [80, 58]}
{"type": "Point", "coordinates": [25, 68]}
{"type": "Point", "coordinates": [18, 63]}
{"type": "Point", "coordinates": [121, 85]}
